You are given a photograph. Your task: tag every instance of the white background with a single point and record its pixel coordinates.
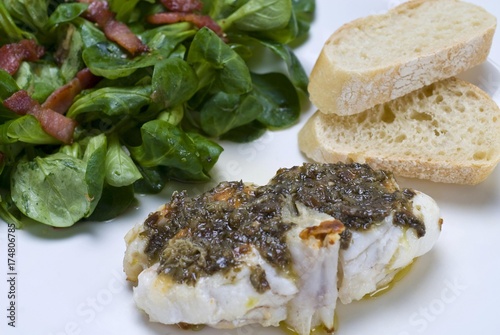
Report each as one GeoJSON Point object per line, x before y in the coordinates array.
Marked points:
{"type": "Point", "coordinates": [71, 281]}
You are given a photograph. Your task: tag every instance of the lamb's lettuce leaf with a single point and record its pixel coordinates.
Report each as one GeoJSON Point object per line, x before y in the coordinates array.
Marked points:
{"type": "Point", "coordinates": [259, 15]}
{"type": "Point", "coordinates": [32, 14]}
{"type": "Point", "coordinates": [174, 83]}
{"type": "Point", "coordinates": [25, 129]}
{"type": "Point", "coordinates": [217, 65]}
{"type": "Point", "coordinates": [112, 101]}
{"type": "Point", "coordinates": [120, 169]}
{"type": "Point", "coordinates": [9, 31]}
{"type": "Point", "coordinates": [167, 145]}
{"type": "Point", "coordinates": [39, 79]}
{"type": "Point", "coordinates": [8, 85]}
{"type": "Point", "coordinates": [95, 159]}
{"type": "Point", "coordinates": [52, 189]}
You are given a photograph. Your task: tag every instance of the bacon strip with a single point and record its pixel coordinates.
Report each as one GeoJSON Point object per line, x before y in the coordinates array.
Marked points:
{"type": "Point", "coordinates": [116, 31]}
{"type": "Point", "coordinates": [61, 99]}
{"type": "Point", "coordinates": [13, 54]}
{"type": "Point", "coordinates": [53, 123]}
{"type": "Point", "coordinates": [20, 102]}
{"type": "Point", "coordinates": [185, 6]}
{"type": "Point", "coordinates": [198, 20]}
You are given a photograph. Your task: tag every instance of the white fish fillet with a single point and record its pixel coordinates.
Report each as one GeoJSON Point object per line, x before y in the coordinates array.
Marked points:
{"type": "Point", "coordinates": [305, 296]}
{"type": "Point", "coordinates": [222, 301]}
{"type": "Point", "coordinates": [304, 299]}
{"type": "Point", "coordinates": [315, 265]}
{"type": "Point", "coordinates": [375, 256]}
{"type": "Point", "coordinates": [135, 259]}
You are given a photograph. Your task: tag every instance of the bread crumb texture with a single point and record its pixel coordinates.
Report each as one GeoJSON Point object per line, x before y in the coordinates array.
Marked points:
{"type": "Point", "coordinates": [448, 131]}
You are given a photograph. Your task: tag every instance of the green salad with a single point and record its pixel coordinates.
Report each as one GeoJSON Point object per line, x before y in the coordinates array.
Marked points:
{"type": "Point", "coordinates": [152, 116]}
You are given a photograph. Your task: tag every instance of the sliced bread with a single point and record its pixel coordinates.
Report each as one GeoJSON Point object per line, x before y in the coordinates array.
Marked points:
{"type": "Point", "coordinates": [382, 57]}
{"type": "Point", "coordinates": [447, 132]}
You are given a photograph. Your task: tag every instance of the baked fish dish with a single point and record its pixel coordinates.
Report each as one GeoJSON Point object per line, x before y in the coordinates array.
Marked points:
{"type": "Point", "coordinates": [281, 253]}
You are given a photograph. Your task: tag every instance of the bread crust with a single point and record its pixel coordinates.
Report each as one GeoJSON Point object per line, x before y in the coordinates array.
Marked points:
{"type": "Point", "coordinates": [333, 88]}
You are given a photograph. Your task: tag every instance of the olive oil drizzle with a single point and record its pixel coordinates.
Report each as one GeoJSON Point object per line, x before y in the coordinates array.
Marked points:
{"type": "Point", "coordinates": [402, 273]}
{"type": "Point", "coordinates": [319, 330]}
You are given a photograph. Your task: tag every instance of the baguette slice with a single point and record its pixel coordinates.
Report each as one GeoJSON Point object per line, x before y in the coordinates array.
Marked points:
{"type": "Point", "coordinates": [382, 57]}
{"type": "Point", "coordinates": [447, 132]}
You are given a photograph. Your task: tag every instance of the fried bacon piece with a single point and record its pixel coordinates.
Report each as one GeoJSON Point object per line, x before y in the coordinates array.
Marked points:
{"type": "Point", "coordinates": [116, 31]}
{"type": "Point", "coordinates": [13, 54]}
{"type": "Point", "coordinates": [198, 20]}
{"type": "Point", "coordinates": [61, 99]}
{"type": "Point", "coordinates": [54, 124]}
{"type": "Point", "coordinates": [20, 102]}
{"type": "Point", "coordinates": [185, 6]}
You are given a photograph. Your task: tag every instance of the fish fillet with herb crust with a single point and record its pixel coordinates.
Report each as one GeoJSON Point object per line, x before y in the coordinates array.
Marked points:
{"type": "Point", "coordinates": [280, 253]}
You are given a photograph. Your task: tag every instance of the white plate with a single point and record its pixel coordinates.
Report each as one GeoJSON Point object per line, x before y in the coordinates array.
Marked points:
{"type": "Point", "coordinates": [71, 281]}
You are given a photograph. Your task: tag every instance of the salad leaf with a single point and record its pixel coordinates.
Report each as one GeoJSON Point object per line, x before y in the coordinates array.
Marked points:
{"type": "Point", "coordinates": [297, 26]}
{"type": "Point", "coordinates": [153, 180]}
{"type": "Point", "coordinates": [172, 115]}
{"type": "Point", "coordinates": [296, 72]}
{"type": "Point", "coordinates": [90, 34]}
{"type": "Point", "coordinates": [119, 167]}
{"type": "Point", "coordinates": [95, 158]}
{"type": "Point", "coordinates": [303, 10]}
{"type": "Point", "coordinates": [259, 15]}
{"type": "Point", "coordinates": [273, 102]}
{"type": "Point", "coordinates": [114, 201]}
{"type": "Point", "coordinates": [51, 190]}
{"type": "Point", "coordinates": [223, 112]}
{"type": "Point", "coordinates": [112, 101]}
{"type": "Point", "coordinates": [8, 85]}
{"type": "Point", "coordinates": [62, 188]}
{"type": "Point", "coordinates": [10, 213]}
{"type": "Point", "coordinates": [217, 65]}
{"type": "Point", "coordinates": [167, 145]}
{"type": "Point", "coordinates": [275, 92]}
{"type": "Point", "coordinates": [207, 150]}
{"type": "Point", "coordinates": [245, 133]}
{"type": "Point", "coordinates": [24, 129]}
{"type": "Point", "coordinates": [73, 45]}
{"type": "Point", "coordinates": [125, 9]}
{"type": "Point", "coordinates": [9, 32]}
{"type": "Point", "coordinates": [108, 60]}
{"type": "Point", "coordinates": [174, 83]}
{"type": "Point", "coordinates": [33, 14]}
{"type": "Point", "coordinates": [66, 12]}
{"type": "Point", "coordinates": [39, 79]}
